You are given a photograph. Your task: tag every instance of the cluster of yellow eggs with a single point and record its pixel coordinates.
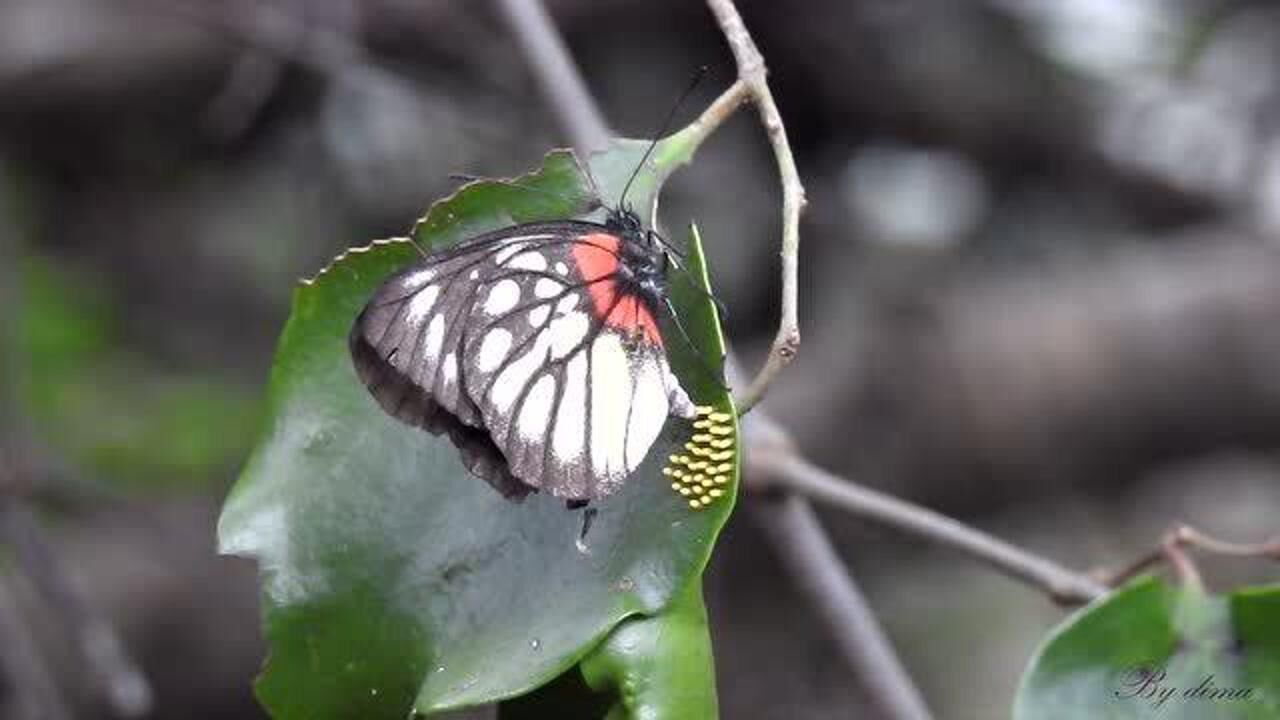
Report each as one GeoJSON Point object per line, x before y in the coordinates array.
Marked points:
{"type": "Point", "coordinates": [701, 474]}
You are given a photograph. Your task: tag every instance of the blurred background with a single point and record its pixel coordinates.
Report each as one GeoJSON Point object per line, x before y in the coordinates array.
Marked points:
{"type": "Point", "coordinates": [1040, 275]}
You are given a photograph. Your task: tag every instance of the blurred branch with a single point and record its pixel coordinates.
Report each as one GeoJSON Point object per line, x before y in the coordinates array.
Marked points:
{"type": "Point", "coordinates": [720, 110]}
{"type": "Point", "coordinates": [280, 33]}
{"type": "Point", "coordinates": [34, 691]}
{"type": "Point", "coordinates": [1172, 549]}
{"type": "Point", "coordinates": [796, 535]}
{"type": "Point", "coordinates": [752, 79]}
{"type": "Point", "coordinates": [557, 75]}
{"type": "Point", "coordinates": [776, 466]}
{"type": "Point", "coordinates": [1193, 538]}
{"type": "Point", "coordinates": [120, 681]}
{"type": "Point", "coordinates": [250, 83]}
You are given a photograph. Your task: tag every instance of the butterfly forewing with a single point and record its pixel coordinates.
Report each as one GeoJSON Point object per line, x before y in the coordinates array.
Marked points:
{"type": "Point", "coordinates": [524, 348]}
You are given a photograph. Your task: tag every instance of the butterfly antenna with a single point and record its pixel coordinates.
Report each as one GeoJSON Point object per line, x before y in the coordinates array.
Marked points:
{"type": "Point", "coordinates": [675, 256]}
{"type": "Point", "coordinates": [721, 309]}
{"type": "Point", "coordinates": [715, 377]}
{"type": "Point", "coordinates": [666, 125]}
{"type": "Point", "coordinates": [671, 249]}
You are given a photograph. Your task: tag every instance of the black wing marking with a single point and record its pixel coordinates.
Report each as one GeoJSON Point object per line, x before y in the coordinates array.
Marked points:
{"type": "Point", "coordinates": [416, 377]}
{"type": "Point", "coordinates": [419, 346]}
{"type": "Point", "coordinates": [573, 404]}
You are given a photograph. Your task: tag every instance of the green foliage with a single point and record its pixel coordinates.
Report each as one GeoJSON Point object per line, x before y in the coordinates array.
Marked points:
{"type": "Point", "coordinates": [1150, 650]}
{"type": "Point", "coordinates": [660, 668]}
{"type": "Point", "coordinates": [111, 410]}
{"type": "Point", "coordinates": [392, 579]}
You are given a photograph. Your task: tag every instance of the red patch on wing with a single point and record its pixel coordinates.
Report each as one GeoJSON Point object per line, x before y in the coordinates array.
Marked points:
{"type": "Point", "coordinates": [596, 256]}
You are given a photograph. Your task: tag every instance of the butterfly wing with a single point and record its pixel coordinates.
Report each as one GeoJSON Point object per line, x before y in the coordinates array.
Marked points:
{"type": "Point", "coordinates": [524, 349]}
{"type": "Point", "coordinates": [406, 347]}
{"type": "Point", "coordinates": [568, 370]}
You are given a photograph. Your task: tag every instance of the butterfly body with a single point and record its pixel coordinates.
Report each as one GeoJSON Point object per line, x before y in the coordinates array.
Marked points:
{"type": "Point", "coordinates": [535, 349]}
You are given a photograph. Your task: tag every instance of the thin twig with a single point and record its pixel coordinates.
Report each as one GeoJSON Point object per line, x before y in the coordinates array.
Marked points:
{"type": "Point", "coordinates": [1191, 537]}
{"type": "Point", "coordinates": [557, 75]}
{"type": "Point", "coordinates": [1184, 568]}
{"type": "Point", "coordinates": [1172, 549]}
{"type": "Point", "coordinates": [796, 535]}
{"type": "Point", "coordinates": [771, 468]}
{"type": "Point", "coordinates": [720, 110]}
{"type": "Point", "coordinates": [752, 74]}
{"type": "Point", "coordinates": [1113, 578]}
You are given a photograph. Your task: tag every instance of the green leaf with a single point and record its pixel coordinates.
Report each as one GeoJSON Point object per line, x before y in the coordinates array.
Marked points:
{"type": "Point", "coordinates": [392, 579]}
{"type": "Point", "coordinates": [660, 668]}
{"type": "Point", "coordinates": [650, 667]}
{"type": "Point", "coordinates": [1150, 650]}
{"type": "Point", "coordinates": [70, 368]}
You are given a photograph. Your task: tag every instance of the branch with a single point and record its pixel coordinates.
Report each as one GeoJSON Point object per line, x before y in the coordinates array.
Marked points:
{"type": "Point", "coordinates": [255, 75]}
{"type": "Point", "coordinates": [720, 110]}
{"type": "Point", "coordinates": [557, 75]}
{"type": "Point", "coordinates": [751, 76]}
{"type": "Point", "coordinates": [328, 52]}
{"type": "Point", "coordinates": [795, 534]}
{"type": "Point", "coordinates": [775, 465]}
{"type": "Point", "coordinates": [29, 679]}
{"type": "Point", "coordinates": [1172, 549]}
{"type": "Point", "coordinates": [120, 681]}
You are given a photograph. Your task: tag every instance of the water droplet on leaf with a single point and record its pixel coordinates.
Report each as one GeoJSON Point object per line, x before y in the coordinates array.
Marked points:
{"type": "Point", "coordinates": [317, 441]}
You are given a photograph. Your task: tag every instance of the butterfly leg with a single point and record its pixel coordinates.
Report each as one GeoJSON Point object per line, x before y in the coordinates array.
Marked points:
{"type": "Point", "coordinates": [717, 378]}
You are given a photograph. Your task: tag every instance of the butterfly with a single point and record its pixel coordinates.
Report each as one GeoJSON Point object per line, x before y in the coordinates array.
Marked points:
{"type": "Point", "coordinates": [535, 349]}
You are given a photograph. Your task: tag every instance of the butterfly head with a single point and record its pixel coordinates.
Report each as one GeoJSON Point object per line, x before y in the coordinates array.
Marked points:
{"type": "Point", "coordinates": [626, 223]}
{"type": "Point", "coordinates": [643, 266]}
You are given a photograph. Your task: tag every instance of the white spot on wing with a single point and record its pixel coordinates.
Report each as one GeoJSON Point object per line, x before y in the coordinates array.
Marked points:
{"type": "Point", "coordinates": [566, 332]}
{"type": "Point", "coordinates": [505, 253]}
{"type": "Point", "coordinates": [570, 431]}
{"type": "Point", "coordinates": [493, 350]}
{"type": "Point", "coordinates": [502, 297]}
{"type": "Point", "coordinates": [435, 337]}
{"type": "Point", "coordinates": [562, 268]}
{"type": "Point", "coordinates": [517, 374]}
{"type": "Point", "coordinates": [567, 303]}
{"type": "Point", "coordinates": [421, 304]}
{"type": "Point", "coordinates": [610, 401]}
{"type": "Point", "coordinates": [538, 315]}
{"type": "Point", "coordinates": [418, 279]}
{"type": "Point", "coordinates": [677, 399]}
{"type": "Point", "coordinates": [648, 412]}
{"type": "Point", "coordinates": [532, 261]}
{"type": "Point", "coordinates": [450, 368]}
{"type": "Point", "coordinates": [536, 411]}
{"type": "Point", "coordinates": [546, 287]}
{"type": "Point", "coordinates": [474, 274]}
